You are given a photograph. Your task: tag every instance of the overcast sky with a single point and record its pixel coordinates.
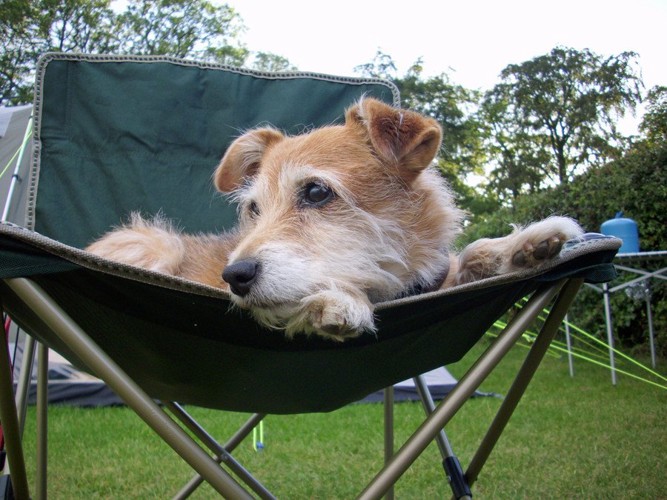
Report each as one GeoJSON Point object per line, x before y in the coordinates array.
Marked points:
{"type": "Point", "coordinates": [471, 40]}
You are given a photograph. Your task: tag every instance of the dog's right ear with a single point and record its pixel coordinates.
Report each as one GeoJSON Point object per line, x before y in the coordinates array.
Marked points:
{"type": "Point", "coordinates": [243, 158]}
{"type": "Point", "coordinates": [400, 137]}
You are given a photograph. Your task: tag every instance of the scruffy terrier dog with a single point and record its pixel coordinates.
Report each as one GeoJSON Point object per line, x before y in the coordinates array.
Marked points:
{"type": "Point", "coordinates": [331, 222]}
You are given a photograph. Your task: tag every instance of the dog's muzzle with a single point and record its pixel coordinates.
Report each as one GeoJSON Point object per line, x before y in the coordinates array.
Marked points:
{"type": "Point", "coordinates": [241, 276]}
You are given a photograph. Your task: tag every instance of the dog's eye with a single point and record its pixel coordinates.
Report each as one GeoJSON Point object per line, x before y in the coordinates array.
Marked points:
{"type": "Point", "coordinates": [316, 195]}
{"type": "Point", "coordinates": [253, 209]}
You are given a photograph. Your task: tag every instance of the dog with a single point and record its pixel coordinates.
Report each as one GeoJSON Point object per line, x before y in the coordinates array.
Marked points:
{"type": "Point", "coordinates": [331, 222]}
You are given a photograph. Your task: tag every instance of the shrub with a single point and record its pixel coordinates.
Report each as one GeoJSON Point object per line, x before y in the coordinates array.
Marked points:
{"type": "Point", "coordinates": [636, 185]}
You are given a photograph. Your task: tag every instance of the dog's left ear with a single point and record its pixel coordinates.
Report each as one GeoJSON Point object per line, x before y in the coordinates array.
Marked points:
{"type": "Point", "coordinates": [243, 158]}
{"type": "Point", "coordinates": [404, 138]}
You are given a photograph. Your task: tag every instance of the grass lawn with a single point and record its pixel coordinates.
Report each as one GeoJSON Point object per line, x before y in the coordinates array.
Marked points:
{"type": "Point", "coordinates": [575, 437]}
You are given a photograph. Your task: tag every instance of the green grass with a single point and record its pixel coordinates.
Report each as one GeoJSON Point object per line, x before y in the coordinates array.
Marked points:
{"type": "Point", "coordinates": [570, 437]}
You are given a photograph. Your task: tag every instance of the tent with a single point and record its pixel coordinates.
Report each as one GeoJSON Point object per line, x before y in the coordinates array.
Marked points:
{"type": "Point", "coordinates": [15, 158]}
{"type": "Point", "coordinates": [439, 382]}
{"type": "Point", "coordinates": [67, 384]}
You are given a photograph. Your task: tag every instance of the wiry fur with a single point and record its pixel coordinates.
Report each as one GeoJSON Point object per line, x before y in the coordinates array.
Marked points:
{"type": "Point", "coordinates": [385, 230]}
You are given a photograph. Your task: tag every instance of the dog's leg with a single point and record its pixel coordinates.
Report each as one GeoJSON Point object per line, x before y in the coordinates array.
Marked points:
{"type": "Point", "coordinates": [525, 247]}
{"type": "Point", "coordinates": [334, 313]}
{"type": "Point", "coordinates": [153, 245]}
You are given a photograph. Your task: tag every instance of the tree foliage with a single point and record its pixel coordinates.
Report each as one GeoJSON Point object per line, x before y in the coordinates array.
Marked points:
{"type": "Point", "coordinates": [654, 123]}
{"type": "Point", "coordinates": [181, 28]}
{"type": "Point", "coordinates": [198, 29]}
{"type": "Point", "coordinates": [556, 114]}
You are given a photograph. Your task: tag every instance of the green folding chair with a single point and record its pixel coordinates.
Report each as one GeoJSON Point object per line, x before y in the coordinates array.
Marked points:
{"type": "Point", "coordinates": [120, 134]}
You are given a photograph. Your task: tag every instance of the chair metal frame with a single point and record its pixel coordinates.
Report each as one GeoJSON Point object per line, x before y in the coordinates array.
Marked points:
{"type": "Point", "coordinates": [213, 469]}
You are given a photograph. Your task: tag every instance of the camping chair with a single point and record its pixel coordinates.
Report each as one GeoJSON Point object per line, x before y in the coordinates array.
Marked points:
{"type": "Point", "coordinates": [114, 135]}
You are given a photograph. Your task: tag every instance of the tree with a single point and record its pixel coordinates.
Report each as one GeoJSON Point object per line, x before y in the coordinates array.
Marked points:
{"type": "Point", "coordinates": [181, 28]}
{"type": "Point", "coordinates": [198, 29]}
{"type": "Point", "coordinates": [31, 28]}
{"type": "Point", "coordinates": [654, 122]}
{"type": "Point", "coordinates": [76, 25]}
{"type": "Point", "coordinates": [266, 61]}
{"type": "Point", "coordinates": [17, 56]}
{"type": "Point", "coordinates": [518, 166]}
{"type": "Point", "coordinates": [556, 114]}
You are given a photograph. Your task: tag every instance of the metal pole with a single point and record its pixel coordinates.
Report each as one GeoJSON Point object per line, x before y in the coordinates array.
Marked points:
{"type": "Point", "coordinates": [106, 369]}
{"type": "Point", "coordinates": [610, 331]}
{"type": "Point", "coordinates": [25, 378]}
{"type": "Point", "coordinates": [568, 341]}
{"type": "Point", "coordinates": [389, 433]}
{"type": "Point", "coordinates": [10, 427]}
{"type": "Point", "coordinates": [450, 462]}
{"type": "Point", "coordinates": [15, 176]}
{"type": "Point", "coordinates": [651, 335]}
{"type": "Point", "coordinates": [42, 420]}
{"type": "Point", "coordinates": [429, 407]}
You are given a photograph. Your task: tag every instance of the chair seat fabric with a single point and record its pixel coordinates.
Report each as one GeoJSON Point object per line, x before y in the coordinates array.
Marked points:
{"type": "Point", "coordinates": [182, 341]}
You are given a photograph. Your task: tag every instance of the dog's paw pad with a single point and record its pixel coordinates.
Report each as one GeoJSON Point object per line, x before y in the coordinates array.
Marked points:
{"type": "Point", "coordinates": [532, 254]}
{"type": "Point", "coordinates": [336, 330]}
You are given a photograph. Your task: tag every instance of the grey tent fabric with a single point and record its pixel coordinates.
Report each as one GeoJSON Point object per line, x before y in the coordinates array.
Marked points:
{"type": "Point", "coordinates": [67, 385]}
{"type": "Point", "coordinates": [438, 380]}
{"type": "Point", "coordinates": [15, 160]}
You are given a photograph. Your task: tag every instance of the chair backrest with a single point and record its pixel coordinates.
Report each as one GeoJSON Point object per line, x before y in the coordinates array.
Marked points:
{"type": "Point", "coordinates": [120, 134]}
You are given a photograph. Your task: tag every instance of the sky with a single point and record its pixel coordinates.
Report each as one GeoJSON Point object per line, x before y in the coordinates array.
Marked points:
{"type": "Point", "coordinates": [470, 40]}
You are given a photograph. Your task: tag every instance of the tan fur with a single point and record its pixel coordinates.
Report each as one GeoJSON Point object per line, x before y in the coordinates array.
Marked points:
{"type": "Point", "coordinates": [331, 222]}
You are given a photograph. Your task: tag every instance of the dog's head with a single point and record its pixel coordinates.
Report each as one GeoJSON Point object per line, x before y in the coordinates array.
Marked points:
{"type": "Point", "coordinates": [353, 208]}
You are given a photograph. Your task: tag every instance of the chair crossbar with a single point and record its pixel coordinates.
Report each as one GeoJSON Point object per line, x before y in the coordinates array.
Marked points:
{"type": "Point", "coordinates": [23, 385]}
{"type": "Point", "coordinates": [523, 378]}
{"type": "Point", "coordinates": [222, 452]}
{"type": "Point", "coordinates": [468, 384]}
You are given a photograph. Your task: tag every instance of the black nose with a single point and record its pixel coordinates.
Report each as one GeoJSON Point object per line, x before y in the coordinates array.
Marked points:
{"type": "Point", "coordinates": [241, 275]}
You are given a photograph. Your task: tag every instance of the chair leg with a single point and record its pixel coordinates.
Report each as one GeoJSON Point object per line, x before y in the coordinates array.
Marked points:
{"type": "Point", "coordinates": [450, 462]}
{"type": "Point", "coordinates": [389, 433]}
{"type": "Point", "coordinates": [42, 420]}
{"type": "Point", "coordinates": [11, 427]}
{"type": "Point", "coordinates": [106, 369]}
{"type": "Point", "coordinates": [25, 378]}
{"type": "Point", "coordinates": [523, 377]}
{"type": "Point", "coordinates": [447, 408]}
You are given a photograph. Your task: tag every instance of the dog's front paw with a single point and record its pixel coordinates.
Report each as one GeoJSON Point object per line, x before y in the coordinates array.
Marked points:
{"type": "Point", "coordinates": [542, 241]}
{"type": "Point", "coordinates": [524, 248]}
{"type": "Point", "coordinates": [335, 314]}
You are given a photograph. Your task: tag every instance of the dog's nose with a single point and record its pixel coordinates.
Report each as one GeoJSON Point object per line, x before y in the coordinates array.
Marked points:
{"type": "Point", "coordinates": [241, 275]}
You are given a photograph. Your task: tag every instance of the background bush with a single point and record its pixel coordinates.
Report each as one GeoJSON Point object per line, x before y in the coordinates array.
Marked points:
{"type": "Point", "coordinates": [635, 185]}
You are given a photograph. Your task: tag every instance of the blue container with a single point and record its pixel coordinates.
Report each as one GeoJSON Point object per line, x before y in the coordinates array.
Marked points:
{"type": "Point", "coordinates": [625, 229]}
